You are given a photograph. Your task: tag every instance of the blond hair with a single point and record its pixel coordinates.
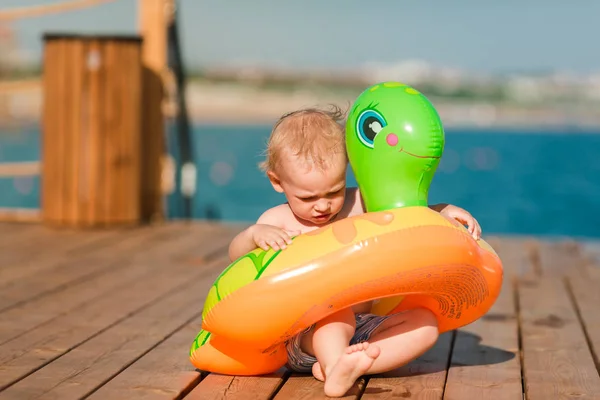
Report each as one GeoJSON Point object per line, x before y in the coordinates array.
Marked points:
{"type": "Point", "coordinates": [313, 134]}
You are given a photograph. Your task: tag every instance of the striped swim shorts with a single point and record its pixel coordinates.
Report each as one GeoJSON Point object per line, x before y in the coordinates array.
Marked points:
{"type": "Point", "coordinates": [301, 362]}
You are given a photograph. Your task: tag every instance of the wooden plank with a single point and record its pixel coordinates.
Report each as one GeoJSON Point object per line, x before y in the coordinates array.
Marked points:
{"type": "Point", "coordinates": [94, 173]}
{"type": "Point", "coordinates": [107, 238]}
{"type": "Point", "coordinates": [20, 85]}
{"type": "Point", "coordinates": [163, 373]}
{"type": "Point", "coordinates": [88, 366]}
{"type": "Point", "coordinates": [132, 144]}
{"type": "Point", "coordinates": [75, 69]}
{"type": "Point", "coordinates": [40, 346]}
{"type": "Point", "coordinates": [101, 110]}
{"type": "Point", "coordinates": [19, 320]}
{"type": "Point", "coordinates": [64, 272]}
{"type": "Point", "coordinates": [423, 378]}
{"type": "Point", "coordinates": [519, 257]}
{"type": "Point", "coordinates": [556, 359]}
{"type": "Point", "coordinates": [45, 241]}
{"type": "Point", "coordinates": [117, 188]}
{"type": "Point", "coordinates": [20, 168]}
{"type": "Point", "coordinates": [56, 246]}
{"type": "Point", "coordinates": [13, 233]}
{"type": "Point", "coordinates": [493, 241]}
{"type": "Point", "coordinates": [485, 361]}
{"type": "Point", "coordinates": [216, 386]}
{"type": "Point", "coordinates": [584, 292]}
{"type": "Point", "coordinates": [583, 281]}
{"type": "Point", "coordinates": [109, 127]}
{"type": "Point", "coordinates": [590, 252]}
{"type": "Point", "coordinates": [213, 386]}
{"type": "Point", "coordinates": [53, 83]}
{"type": "Point", "coordinates": [38, 10]}
{"type": "Point", "coordinates": [11, 229]}
{"type": "Point", "coordinates": [123, 131]}
{"type": "Point", "coordinates": [52, 248]}
{"type": "Point", "coordinates": [300, 387]}
{"type": "Point", "coordinates": [12, 214]}
{"type": "Point", "coordinates": [152, 22]}
{"type": "Point", "coordinates": [60, 135]}
{"type": "Point", "coordinates": [558, 258]}
{"type": "Point", "coordinates": [106, 129]}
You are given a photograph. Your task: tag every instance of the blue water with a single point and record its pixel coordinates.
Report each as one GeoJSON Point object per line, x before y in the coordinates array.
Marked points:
{"type": "Point", "coordinates": [20, 145]}
{"type": "Point", "coordinates": [512, 182]}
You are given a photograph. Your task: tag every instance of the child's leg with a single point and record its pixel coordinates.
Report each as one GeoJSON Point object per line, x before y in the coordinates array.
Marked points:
{"type": "Point", "coordinates": [326, 341]}
{"type": "Point", "coordinates": [400, 338]}
{"type": "Point", "coordinates": [330, 338]}
{"type": "Point", "coordinates": [339, 364]}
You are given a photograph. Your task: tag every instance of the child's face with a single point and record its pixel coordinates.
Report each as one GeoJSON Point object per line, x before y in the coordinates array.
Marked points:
{"type": "Point", "coordinates": [314, 195]}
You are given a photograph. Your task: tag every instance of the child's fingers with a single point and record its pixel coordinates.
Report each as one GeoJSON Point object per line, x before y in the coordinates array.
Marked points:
{"type": "Point", "coordinates": [281, 241]}
{"type": "Point", "coordinates": [287, 239]}
{"type": "Point", "coordinates": [478, 230]}
{"type": "Point", "coordinates": [263, 245]}
{"type": "Point", "coordinates": [469, 222]}
{"type": "Point", "coordinates": [289, 234]}
{"type": "Point", "coordinates": [474, 228]}
{"type": "Point", "coordinates": [274, 245]}
{"type": "Point", "coordinates": [471, 227]}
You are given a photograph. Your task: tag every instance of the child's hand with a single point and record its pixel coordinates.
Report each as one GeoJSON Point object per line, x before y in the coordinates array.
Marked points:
{"type": "Point", "coordinates": [265, 236]}
{"type": "Point", "coordinates": [464, 217]}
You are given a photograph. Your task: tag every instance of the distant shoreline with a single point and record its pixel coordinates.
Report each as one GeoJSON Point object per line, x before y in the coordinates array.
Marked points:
{"type": "Point", "coordinates": [214, 103]}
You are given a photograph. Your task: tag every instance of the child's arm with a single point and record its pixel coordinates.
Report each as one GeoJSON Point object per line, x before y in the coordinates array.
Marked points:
{"type": "Point", "coordinates": [241, 244]}
{"type": "Point", "coordinates": [461, 215]}
{"type": "Point", "coordinates": [266, 233]}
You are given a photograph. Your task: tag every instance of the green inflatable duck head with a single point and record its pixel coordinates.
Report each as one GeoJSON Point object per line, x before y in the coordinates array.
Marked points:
{"type": "Point", "coordinates": [394, 139]}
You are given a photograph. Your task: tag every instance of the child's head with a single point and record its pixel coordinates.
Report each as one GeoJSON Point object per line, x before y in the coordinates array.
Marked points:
{"type": "Point", "coordinates": [306, 160]}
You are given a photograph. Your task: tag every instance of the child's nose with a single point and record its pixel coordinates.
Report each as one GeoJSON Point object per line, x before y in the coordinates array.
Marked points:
{"type": "Point", "coordinates": [323, 205]}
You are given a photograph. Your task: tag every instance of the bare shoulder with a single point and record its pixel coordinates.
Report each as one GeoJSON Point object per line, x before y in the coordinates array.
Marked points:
{"type": "Point", "coordinates": [276, 216]}
{"type": "Point", "coordinates": [353, 204]}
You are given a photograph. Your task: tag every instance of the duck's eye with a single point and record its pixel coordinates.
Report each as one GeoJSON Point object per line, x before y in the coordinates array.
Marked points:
{"type": "Point", "coordinates": [368, 125]}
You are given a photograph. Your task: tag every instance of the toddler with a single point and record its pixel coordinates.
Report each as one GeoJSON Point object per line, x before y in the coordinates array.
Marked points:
{"type": "Point", "coordinates": [306, 161]}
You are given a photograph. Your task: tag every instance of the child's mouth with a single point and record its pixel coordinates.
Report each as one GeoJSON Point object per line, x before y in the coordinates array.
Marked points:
{"type": "Point", "coordinates": [322, 217]}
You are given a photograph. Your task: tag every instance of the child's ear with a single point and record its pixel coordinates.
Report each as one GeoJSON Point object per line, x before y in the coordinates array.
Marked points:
{"type": "Point", "coordinates": [275, 181]}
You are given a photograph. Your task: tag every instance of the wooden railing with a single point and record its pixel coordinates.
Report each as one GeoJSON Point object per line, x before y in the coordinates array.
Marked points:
{"type": "Point", "coordinates": [24, 168]}
{"type": "Point", "coordinates": [45, 9]}
{"type": "Point", "coordinates": [162, 98]}
{"type": "Point", "coordinates": [20, 85]}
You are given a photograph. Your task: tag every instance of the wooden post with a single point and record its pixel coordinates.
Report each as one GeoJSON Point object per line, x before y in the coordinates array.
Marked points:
{"type": "Point", "coordinates": [91, 157]}
{"type": "Point", "coordinates": [153, 17]}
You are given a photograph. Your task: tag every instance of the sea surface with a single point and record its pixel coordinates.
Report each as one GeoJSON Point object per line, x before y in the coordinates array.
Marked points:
{"type": "Point", "coordinates": [513, 182]}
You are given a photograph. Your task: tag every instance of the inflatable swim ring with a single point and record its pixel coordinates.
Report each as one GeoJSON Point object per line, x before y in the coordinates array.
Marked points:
{"type": "Point", "coordinates": [400, 253]}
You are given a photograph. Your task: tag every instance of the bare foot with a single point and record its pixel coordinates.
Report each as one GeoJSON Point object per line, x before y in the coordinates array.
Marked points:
{"type": "Point", "coordinates": [318, 372]}
{"type": "Point", "coordinates": [356, 360]}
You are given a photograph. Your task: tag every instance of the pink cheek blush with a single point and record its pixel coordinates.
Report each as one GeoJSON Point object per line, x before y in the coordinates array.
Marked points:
{"type": "Point", "coordinates": [391, 139]}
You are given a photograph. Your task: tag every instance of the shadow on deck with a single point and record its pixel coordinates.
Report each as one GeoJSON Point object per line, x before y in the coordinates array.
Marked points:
{"type": "Point", "coordinates": [111, 315]}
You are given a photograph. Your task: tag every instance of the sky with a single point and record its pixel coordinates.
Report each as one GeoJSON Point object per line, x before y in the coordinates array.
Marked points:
{"type": "Point", "coordinates": [489, 36]}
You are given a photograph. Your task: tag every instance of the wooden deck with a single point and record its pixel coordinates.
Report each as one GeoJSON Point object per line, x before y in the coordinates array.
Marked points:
{"type": "Point", "coordinates": [112, 314]}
